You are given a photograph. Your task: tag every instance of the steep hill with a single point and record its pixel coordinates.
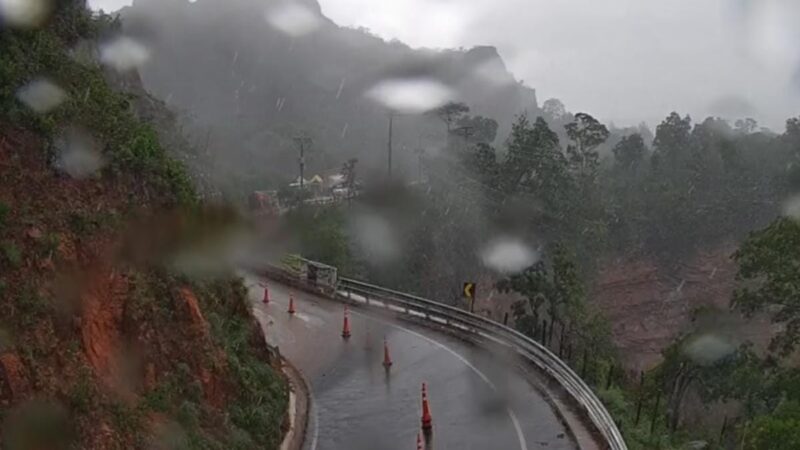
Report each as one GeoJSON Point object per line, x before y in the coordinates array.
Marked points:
{"type": "Point", "coordinates": [103, 344]}
{"type": "Point", "coordinates": [252, 87]}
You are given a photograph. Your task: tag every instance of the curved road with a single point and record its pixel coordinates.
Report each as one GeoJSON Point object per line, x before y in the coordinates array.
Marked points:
{"type": "Point", "coordinates": [478, 399]}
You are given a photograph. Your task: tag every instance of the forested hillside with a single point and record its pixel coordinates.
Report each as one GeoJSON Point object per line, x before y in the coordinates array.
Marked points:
{"type": "Point", "coordinates": [104, 343]}
{"type": "Point", "coordinates": [249, 88]}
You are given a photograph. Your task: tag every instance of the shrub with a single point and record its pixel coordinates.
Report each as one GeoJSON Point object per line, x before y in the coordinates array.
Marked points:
{"type": "Point", "coordinates": [12, 254]}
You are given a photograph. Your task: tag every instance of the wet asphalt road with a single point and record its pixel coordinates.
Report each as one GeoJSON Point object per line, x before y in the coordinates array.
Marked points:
{"type": "Point", "coordinates": [478, 399]}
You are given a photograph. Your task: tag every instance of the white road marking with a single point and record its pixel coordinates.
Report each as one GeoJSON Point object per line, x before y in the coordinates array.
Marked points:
{"type": "Point", "coordinates": [523, 445]}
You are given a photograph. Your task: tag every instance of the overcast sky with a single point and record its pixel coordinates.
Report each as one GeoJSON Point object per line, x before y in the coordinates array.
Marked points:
{"type": "Point", "coordinates": [621, 60]}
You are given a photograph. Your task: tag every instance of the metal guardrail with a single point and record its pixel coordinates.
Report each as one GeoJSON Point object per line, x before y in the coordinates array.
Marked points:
{"type": "Point", "coordinates": [542, 357]}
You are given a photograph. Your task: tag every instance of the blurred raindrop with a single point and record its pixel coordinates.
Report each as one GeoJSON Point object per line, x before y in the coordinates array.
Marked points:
{"type": "Point", "coordinates": [293, 19]}
{"type": "Point", "coordinates": [41, 95]}
{"type": "Point", "coordinates": [708, 349]}
{"type": "Point", "coordinates": [78, 154]}
{"type": "Point", "coordinates": [791, 208]}
{"type": "Point", "coordinates": [124, 54]}
{"type": "Point", "coordinates": [410, 95]}
{"type": "Point", "coordinates": [37, 425]}
{"type": "Point", "coordinates": [376, 238]}
{"type": "Point", "coordinates": [24, 13]}
{"type": "Point", "coordinates": [508, 255]}
{"type": "Point", "coordinates": [215, 255]}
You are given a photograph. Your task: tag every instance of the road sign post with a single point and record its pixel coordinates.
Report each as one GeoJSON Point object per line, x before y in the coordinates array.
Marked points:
{"type": "Point", "coordinates": [469, 293]}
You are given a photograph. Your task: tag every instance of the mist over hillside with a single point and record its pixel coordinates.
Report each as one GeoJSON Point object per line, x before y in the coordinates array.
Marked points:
{"type": "Point", "coordinates": [254, 75]}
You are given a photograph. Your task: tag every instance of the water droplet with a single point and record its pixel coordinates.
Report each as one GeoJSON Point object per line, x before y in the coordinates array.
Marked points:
{"type": "Point", "coordinates": [293, 19]}
{"type": "Point", "coordinates": [791, 208]}
{"type": "Point", "coordinates": [124, 54]}
{"type": "Point", "coordinates": [24, 13]}
{"type": "Point", "coordinates": [708, 349]}
{"type": "Point", "coordinates": [344, 130]}
{"type": "Point", "coordinates": [376, 238]}
{"type": "Point", "coordinates": [410, 95]}
{"type": "Point", "coordinates": [508, 255]}
{"type": "Point", "coordinates": [41, 95]}
{"type": "Point", "coordinates": [78, 154]}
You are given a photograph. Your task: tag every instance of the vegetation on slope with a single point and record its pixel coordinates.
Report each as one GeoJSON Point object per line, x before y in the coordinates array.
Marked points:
{"type": "Point", "coordinates": [102, 345]}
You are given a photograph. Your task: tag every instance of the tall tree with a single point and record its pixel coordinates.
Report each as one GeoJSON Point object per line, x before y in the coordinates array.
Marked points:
{"type": "Point", "coordinates": [770, 279]}
{"type": "Point", "coordinates": [554, 108]}
{"type": "Point", "coordinates": [534, 162]}
{"type": "Point", "coordinates": [478, 129]}
{"type": "Point", "coordinates": [450, 113]}
{"type": "Point", "coordinates": [629, 152]}
{"type": "Point", "coordinates": [671, 143]}
{"type": "Point", "coordinates": [586, 134]}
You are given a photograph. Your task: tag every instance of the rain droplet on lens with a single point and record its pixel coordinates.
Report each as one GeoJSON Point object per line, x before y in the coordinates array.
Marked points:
{"type": "Point", "coordinates": [410, 95]}
{"type": "Point", "coordinates": [24, 13]}
{"type": "Point", "coordinates": [376, 237]}
{"type": "Point", "coordinates": [124, 54]}
{"type": "Point", "coordinates": [41, 95]}
{"type": "Point", "coordinates": [508, 255]}
{"type": "Point", "coordinates": [708, 349]}
{"type": "Point", "coordinates": [791, 208]}
{"type": "Point", "coordinates": [293, 19]}
{"type": "Point", "coordinates": [78, 154]}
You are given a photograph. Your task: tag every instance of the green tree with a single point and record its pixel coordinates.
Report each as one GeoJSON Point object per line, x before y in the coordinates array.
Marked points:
{"type": "Point", "coordinates": [629, 152]}
{"type": "Point", "coordinates": [556, 286]}
{"type": "Point", "coordinates": [770, 279]}
{"type": "Point", "coordinates": [586, 134]}
{"type": "Point", "coordinates": [777, 431]}
{"type": "Point", "coordinates": [479, 129]}
{"type": "Point", "coordinates": [450, 113]}
{"type": "Point", "coordinates": [671, 143]}
{"type": "Point", "coordinates": [534, 162]}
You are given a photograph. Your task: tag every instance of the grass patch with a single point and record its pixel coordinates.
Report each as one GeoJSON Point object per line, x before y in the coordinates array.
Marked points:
{"type": "Point", "coordinates": [11, 254]}
{"type": "Point", "coordinates": [4, 211]}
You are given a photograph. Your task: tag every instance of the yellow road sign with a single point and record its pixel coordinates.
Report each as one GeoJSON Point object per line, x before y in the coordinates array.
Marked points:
{"type": "Point", "coordinates": [469, 290]}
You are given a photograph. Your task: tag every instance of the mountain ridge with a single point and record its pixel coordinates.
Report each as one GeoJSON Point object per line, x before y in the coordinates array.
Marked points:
{"type": "Point", "coordinates": [261, 87]}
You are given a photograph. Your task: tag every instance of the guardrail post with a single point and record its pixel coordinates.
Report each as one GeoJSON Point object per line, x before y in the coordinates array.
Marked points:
{"type": "Point", "coordinates": [505, 320]}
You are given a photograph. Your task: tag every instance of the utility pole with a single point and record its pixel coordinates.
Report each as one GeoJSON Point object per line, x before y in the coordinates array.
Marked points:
{"type": "Point", "coordinates": [302, 142]}
{"type": "Point", "coordinates": [389, 145]}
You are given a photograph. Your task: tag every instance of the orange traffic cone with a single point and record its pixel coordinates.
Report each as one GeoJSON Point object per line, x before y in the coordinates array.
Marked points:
{"type": "Point", "coordinates": [291, 303]}
{"type": "Point", "coordinates": [419, 442]}
{"type": "Point", "coordinates": [346, 325]}
{"type": "Point", "coordinates": [427, 420]}
{"type": "Point", "coordinates": [387, 360]}
{"type": "Point", "coordinates": [266, 294]}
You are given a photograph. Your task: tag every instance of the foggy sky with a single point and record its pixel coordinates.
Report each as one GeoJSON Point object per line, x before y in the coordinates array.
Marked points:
{"type": "Point", "coordinates": [624, 61]}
